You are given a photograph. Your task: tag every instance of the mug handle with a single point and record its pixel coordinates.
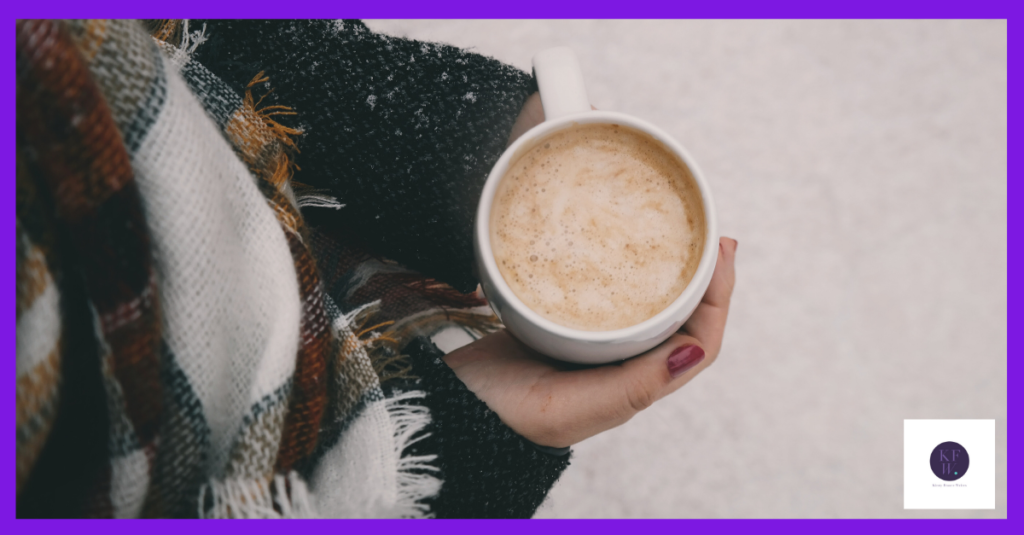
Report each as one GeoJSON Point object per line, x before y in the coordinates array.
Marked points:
{"type": "Point", "coordinates": [560, 80]}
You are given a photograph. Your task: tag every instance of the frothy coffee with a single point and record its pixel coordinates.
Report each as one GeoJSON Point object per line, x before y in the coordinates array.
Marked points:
{"type": "Point", "coordinates": [597, 227]}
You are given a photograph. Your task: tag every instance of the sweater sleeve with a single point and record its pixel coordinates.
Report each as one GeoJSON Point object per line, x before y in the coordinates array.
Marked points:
{"type": "Point", "coordinates": [403, 133]}
{"type": "Point", "coordinates": [489, 471]}
{"type": "Point", "coordinates": [486, 468]}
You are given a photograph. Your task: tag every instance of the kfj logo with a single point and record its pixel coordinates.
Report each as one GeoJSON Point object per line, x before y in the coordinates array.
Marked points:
{"type": "Point", "coordinates": [950, 461]}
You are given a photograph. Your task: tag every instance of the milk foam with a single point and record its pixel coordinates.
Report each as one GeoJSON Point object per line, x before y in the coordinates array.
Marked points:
{"type": "Point", "coordinates": [597, 227]}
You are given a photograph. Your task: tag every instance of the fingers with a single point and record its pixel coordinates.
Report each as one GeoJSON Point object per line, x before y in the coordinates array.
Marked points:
{"type": "Point", "coordinates": [707, 323]}
{"type": "Point", "coordinates": [647, 378]}
{"type": "Point", "coordinates": [724, 278]}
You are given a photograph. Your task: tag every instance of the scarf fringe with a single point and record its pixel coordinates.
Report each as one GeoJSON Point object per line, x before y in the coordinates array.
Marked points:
{"type": "Point", "coordinates": [175, 38]}
{"type": "Point", "coordinates": [316, 198]}
{"type": "Point", "coordinates": [415, 480]}
{"type": "Point", "coordinates": [252, 498]}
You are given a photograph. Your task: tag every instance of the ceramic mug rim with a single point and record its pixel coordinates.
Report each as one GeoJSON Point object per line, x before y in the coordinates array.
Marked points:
{"type": "Point", "coordinates": [669, 314]}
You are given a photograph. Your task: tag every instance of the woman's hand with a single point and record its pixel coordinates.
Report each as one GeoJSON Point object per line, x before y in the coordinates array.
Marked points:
{"type": "Point", "coordinates": [556, 404]}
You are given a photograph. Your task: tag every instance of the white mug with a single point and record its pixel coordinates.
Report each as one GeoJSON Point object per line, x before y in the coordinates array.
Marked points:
{"type": "Point", "coordinates": [565, 102]}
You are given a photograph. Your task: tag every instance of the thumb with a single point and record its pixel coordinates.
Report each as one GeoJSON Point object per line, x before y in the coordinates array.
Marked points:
{"type": "Point", "coordinates": [596, 399]}
{"type": "Point", "coordinates": [662, 370]}
{"type": "Point", "coordinates": [637, 383]}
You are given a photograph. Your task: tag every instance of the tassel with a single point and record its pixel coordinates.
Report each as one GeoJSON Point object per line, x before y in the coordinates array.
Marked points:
{"type": "Point", "coordinates": [286, 497]}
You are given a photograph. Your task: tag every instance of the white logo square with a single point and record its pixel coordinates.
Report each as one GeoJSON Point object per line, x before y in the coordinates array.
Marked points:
{"type": "Point", "coordinates": [949, 464]}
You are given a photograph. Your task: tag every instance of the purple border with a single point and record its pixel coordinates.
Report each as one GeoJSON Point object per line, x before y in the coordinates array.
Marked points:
{"type": "Point", "coordinates": [800, 9]}
{"type": "Point", "coordinates": [469, 9]}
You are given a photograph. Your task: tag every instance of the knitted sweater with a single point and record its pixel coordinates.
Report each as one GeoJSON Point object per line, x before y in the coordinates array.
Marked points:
{"type": "Point", "coordinates": [189, 342]}
{"type": "Point", "coordinates": [402, 132]}
{"type": "Point", "coordinates": [404, 135]}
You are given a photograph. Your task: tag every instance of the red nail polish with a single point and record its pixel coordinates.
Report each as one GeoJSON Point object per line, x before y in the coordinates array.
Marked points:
{"type": "Point", "coordinates": [684, 358]}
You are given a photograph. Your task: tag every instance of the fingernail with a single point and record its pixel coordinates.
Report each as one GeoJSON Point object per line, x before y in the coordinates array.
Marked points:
{"type": "Point", "coordinates": [684, 358]}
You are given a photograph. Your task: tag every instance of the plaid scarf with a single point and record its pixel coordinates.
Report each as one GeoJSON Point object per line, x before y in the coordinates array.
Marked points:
{"type": "Point", "coordinates": [159, 231]}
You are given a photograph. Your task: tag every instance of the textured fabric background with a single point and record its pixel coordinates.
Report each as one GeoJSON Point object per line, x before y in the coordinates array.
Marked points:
{"type": "Point", "coordinates": [862, 166]}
